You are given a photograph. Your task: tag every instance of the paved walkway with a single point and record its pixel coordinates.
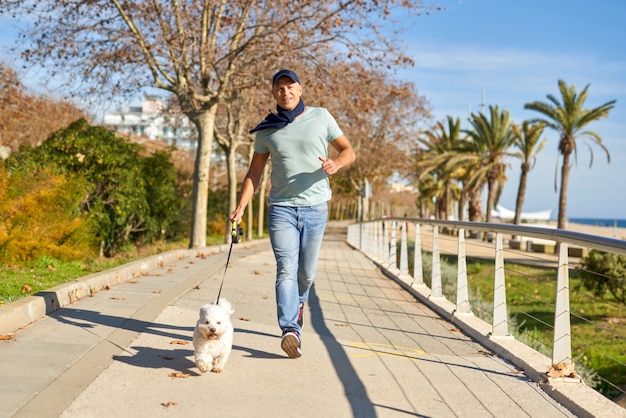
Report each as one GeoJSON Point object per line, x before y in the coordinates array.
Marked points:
{"type": "Point", "coordinates": [370, 349]}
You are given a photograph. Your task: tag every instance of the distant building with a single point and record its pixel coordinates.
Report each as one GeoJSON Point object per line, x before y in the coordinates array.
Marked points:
{"type": "Point", "coordinates": [402, 188]}
{"type": "Point", "coordinates": [151, 121]}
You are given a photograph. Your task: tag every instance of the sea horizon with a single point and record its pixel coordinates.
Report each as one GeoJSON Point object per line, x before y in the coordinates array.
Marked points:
{"type": "Point", "coordinates": [605, 222]}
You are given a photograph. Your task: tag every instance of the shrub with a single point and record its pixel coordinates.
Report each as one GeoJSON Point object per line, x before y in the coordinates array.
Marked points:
{"type": "Point", "coordinates": [40, 213]}
{"type": "Point", "coordinates": [603, 272]}
{"type": "Point", "coordinates": [130, 197]}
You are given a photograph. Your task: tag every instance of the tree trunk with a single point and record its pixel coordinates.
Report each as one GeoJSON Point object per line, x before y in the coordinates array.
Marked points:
{"type": "Point", "coordinates": [231, 169]}
{"type": "Point", "coordinates": [204, 122]}
{"type": "Point", "coordinates": [250, 220]}
{"type": "Point", "coordinates": [461, 210]}
{"type": "Point", "coordinates": [565, 168]}
{"type": "Point", "coordinates": [475, 210]}
{"type": "Point", "coordinates": [262, 188]}
{"type": "Point", "coordinates": [521, 194]}
{"type": "Point", "coordinates": [251, 205]}
{"type": "Point", "coordinates": [446, 201]}
{"type": "Point", "coordinates": [490, 199]}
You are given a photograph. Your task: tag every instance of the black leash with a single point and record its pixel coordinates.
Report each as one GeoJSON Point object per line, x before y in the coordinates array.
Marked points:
{"type": "Point", "coordinates": [234, 232]}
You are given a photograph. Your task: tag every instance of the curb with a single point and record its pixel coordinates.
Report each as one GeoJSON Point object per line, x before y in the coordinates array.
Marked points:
{"type": "Point", "coordinates": [21, 313]}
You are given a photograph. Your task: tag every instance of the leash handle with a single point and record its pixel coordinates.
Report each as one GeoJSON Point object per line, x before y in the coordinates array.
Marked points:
{"type": "Point", "coordinates": [233, 230]}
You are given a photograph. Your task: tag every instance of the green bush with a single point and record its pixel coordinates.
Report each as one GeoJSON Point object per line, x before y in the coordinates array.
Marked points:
{"type": "Point", "coordinates": [603, 272]}
{"type": "Point", "coordinates": [131, 197]}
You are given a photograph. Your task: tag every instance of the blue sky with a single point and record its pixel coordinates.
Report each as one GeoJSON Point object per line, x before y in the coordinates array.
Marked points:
{"type": "Point", "coordinates": [516, 51]}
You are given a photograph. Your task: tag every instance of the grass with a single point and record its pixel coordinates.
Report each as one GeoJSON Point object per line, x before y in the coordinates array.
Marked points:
{"type": "Point", "coordinates": [17, 282]}
{"type": "Point", "coordinates": [597, 324]}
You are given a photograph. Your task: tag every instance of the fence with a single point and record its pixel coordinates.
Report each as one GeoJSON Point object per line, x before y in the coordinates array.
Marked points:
{"type": "Point", "coordinates": [379, 240]}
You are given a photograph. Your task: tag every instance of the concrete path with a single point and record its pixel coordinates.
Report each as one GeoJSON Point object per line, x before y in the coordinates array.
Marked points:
{"type": "Point", "coordinates": [370, 349]}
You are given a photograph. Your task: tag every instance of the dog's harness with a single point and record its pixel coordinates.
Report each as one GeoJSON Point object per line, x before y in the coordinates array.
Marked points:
{"type": "Point", "coordinates": [234, 232]}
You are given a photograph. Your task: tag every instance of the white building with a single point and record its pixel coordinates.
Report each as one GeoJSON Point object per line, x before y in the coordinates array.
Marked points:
{"type": "Point", "coordinates": [151, 121]}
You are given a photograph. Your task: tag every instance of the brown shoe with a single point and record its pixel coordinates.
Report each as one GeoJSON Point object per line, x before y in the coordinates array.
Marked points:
{"type": "Point", "coordinates": [291, 343]}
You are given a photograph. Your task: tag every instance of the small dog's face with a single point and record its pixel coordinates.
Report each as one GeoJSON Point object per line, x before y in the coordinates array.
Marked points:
{"type": "Point", "coordinates": [214, 319]}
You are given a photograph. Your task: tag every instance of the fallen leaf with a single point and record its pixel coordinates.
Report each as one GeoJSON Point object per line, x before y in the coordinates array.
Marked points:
{"type": "Point", "coordinates": [170, 270]}
{"type": "Point", "coordinates": [7, 337]}
{"type": "Point", "coordinates": [26, 289]}
{"type": "Point", "coordinates": [51, 268]}
{"type": "Point", "coordinates": [257, 272]}
{"type": "Point", "coordinates": [196, 287]}
{"type": "Point", "coordinates": [244, 319]}
{"type": "Point", "coordinates": [562, 370]}
{"type": "Point", "coordinates": [118, 298]}
{"type": "Point", "coordinates": [136, 274]}
{"type": "Point", "coordinates": [455, 329]}
{"type": "Point", "coordinates": [156, 291]}
{"type": "Point", "coordinates": [133, 281]}
{"type": "Point", "coordinates": [107, 287]}
{"type": "Point", "coordinates": [179, 375]}
{"type": "Point", "coordinates": [179, 342]}
{"type": "Point", "coordinates": [168, 404]}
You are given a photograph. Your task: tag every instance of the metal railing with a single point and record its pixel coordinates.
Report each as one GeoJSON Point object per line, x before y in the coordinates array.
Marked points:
{"type": "Point", "coordinates": [378, 239]}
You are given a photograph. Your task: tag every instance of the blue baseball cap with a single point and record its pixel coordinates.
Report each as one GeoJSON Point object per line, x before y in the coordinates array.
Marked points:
{"type": "Point", "coordinates": [286, 73]}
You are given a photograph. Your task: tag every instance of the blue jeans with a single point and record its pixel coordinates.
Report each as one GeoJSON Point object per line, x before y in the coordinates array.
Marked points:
{"type": "Point", "coordinates": [296, 235]}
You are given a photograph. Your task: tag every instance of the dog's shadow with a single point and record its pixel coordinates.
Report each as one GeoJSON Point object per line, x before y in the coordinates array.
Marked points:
{"type": "Point", "coordinates": [181, 360]}
{"type": "Point", "coordinates": [154, 358]}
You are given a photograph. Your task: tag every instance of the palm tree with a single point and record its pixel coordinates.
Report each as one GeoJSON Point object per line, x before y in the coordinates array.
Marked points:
{"type": "Point", "coordinates": [569, 118]}
{"type": "Point", "coordinates": [488, 145]}
{"type": "Point", "coordinates": [528, 145]}
{"type": "Point", "coordinates": [440, 142]}
{"type": "Point", "coordinates": [430, 191]}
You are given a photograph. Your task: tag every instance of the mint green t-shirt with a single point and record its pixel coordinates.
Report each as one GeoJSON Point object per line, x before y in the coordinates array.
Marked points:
{"type": "Point", "coordinates": [297, 176]}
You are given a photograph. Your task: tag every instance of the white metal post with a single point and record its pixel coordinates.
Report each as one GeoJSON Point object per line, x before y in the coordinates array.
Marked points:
{"type": "Point", "coordinates": [384, 245]}
{"type": "Point", "coordinates": [500, 313]}
{"type": "Point", "coordinates": [392, 247]}
{"type": "Point", "coordinates": [462, 294]}
{"type": "Point", "coordinates": [436, 291]}
{"type": "Point", "coordinates": [404, 252]}
{"type": "Point", "coordinates": [418, 268]}
{"type": "Point", "coordinates": [562, 348]}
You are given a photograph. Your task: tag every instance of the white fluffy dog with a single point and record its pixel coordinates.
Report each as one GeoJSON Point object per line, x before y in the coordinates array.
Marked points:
{"type": "Point", "coordinates": [213, 336]}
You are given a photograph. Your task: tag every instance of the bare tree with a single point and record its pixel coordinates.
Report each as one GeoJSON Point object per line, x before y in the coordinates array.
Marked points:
{"type": "Point", "coordinates": [379, 115]}
{"type": "Point", "coordinates": [231, 133]}
{"type": "Point", "coordinates": [28, 118]}
{"type": "Point", "coordinates": [202, 52]}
